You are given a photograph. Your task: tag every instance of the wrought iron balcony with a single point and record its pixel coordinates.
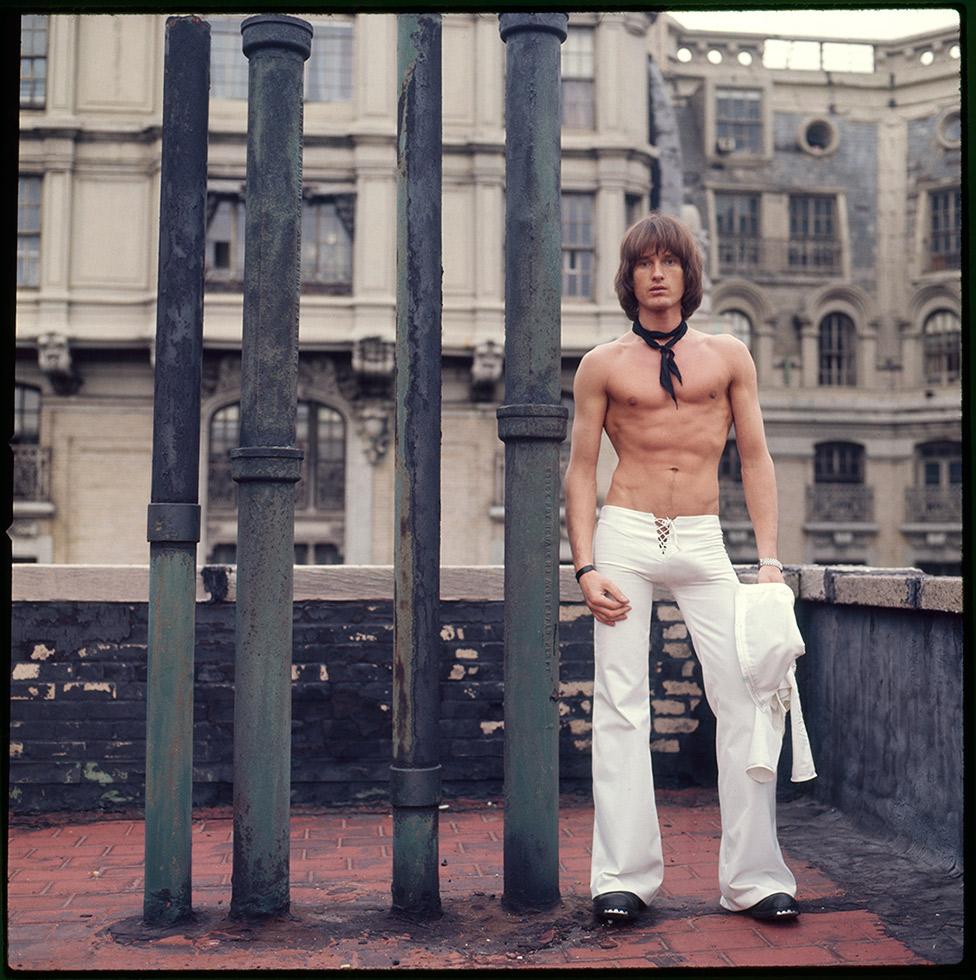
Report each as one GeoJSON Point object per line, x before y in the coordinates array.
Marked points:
{"type": "Point", "coordinates": [942, 252]}
{"type": "Point", "coordinates": [840, 503]}
{"type": "Point", "coordinates": [933, 505]}
{"type": "Point", "coordinates": [738, 254]}
{"type": "Point", "coordinates": [732, 502]}
{"type": "Point", "coordinates": [32, 473]}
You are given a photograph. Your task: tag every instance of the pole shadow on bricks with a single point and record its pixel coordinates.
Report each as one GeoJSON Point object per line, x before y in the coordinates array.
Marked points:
{"type": "Point", "coordinates": [415, 775]}
{"type": "Point", "coordinates": [532, 423]}
{"type": "Point", "coordinates": [174, 512]}
{"type": "Point", "coordinates": [267, 464]}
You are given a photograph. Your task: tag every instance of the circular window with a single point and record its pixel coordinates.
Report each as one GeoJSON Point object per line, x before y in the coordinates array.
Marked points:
{"type": "Point", "coordinates": [715, 56]}
{"type": "Point", "coordinates": [926, 57]}
{"type": "Point", "coordinates": [744, 58]}
{"type": "Point", "coordinates": [818, 136]}
{"type": "Point", "coordinates": [684, 55]}
{"type": "Point", "coordinates": [950, 129]}
{"type": "Point", "coordinates": [954, 51]}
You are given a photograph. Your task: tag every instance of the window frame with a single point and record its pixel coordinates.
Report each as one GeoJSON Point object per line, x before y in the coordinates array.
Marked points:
{"type": "Point", "coordinates": [344, 208]}
{"type": "Point", "coordinates": [737, 251]}
{"type": "Point", "coordinates": [32, 59]}
{"type": "Point", "coordinates": [24, 234]}
{"type": "Point", "coordinates": [839, 461]}
{"type": "Point", "coordinates": [948, 258]}
{"type": "Point", "coordinates": [844, 372]}
{"type": "Point", "coordinates": [942, 348]}
{"type": "Point", "coordinates": [570, 250]}
{"type": "Point", "coordinates": [733, 123]}
{"type": "Point", "coordinates": [21, 436]}
{"type": "Point", "coordinates": [810, 250]}
{"type": "Point", "coordinates": [582, 79]}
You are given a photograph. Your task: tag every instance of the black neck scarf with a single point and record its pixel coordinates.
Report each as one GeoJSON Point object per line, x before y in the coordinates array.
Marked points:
{"type": "Point", "coordinates": [668, 367]}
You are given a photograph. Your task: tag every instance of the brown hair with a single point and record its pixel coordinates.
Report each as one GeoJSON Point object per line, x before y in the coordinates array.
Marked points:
{"type": "Point", "coordinates": [659, 233]}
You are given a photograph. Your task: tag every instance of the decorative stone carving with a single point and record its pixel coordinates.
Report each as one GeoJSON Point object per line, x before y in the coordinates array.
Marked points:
{"type": "Point", "coordinates": [486, 369]}
{"type": "Point", "coordinates": [373, 362]}
{"type": "Point", "coordinates": [373, 420]}
{"type": "Point", "coordinates": [55, 361]}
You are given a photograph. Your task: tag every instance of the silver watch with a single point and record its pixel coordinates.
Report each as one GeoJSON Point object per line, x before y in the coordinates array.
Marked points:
{"type": "Point", "coordinates": [775, 562]}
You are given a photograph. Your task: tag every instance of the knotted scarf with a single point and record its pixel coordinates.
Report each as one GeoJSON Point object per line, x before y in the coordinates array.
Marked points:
{"type": "Point", "coordinates": [668, 367]}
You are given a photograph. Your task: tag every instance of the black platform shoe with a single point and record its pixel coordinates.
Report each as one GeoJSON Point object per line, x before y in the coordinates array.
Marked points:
{"type": "Point", "coordinates": [777, 907]}
{"type": "Point", "coordinates": [620, 907]}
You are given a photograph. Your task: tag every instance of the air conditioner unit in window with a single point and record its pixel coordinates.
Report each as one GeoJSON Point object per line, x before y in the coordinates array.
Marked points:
{"type": "Point", "coordinates": [725, 144]}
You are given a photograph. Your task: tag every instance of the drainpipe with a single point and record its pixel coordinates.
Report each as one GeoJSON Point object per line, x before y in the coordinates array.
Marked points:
{"type": "Point", "coordinates": [267, 464]}
{"type": "Point", "coordinates": [532, 423]}
{"type": "Point", "coordinates": [415, 776]}
{"type": "Point", "coordinates": [174, 513]}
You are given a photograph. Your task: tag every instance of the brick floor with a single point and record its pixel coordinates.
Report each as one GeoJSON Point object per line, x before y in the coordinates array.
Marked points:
{"type": "Point", "coordinates": [75, 902]}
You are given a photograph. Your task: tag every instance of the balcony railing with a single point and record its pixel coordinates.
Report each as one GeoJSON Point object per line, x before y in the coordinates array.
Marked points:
{"type": "Point", "coordinates": [933, 505]}
{"type": "Point", "coordinates": [840, 503]}
{"type": "Point", "coordinates": [732, 502]}
{"type": "Point", "coordinates": [32, 473]}
{"type": "Point", "coordinates": [942, 253]}
{"type": "Point", "coordinates": [775, 255]}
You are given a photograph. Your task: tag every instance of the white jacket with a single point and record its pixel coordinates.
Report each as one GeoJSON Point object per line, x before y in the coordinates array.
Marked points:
{"type": "Point", "coordinates": [768, 641]}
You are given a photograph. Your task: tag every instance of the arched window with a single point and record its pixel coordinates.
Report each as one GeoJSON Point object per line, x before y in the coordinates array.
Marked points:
{"type": "Point", "coordinates": [320, 494]}
{"type": "Point", "coordinates": [941, 336]}
{"type": "Point", "coordinates": [740, 325]}
{"type": "Point", "coordinates": [838, 462]}
{"type": "Point", "coordinates": [837, 350]}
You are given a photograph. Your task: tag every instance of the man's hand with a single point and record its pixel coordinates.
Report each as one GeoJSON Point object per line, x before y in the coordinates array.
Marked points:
{"type": "Point", "coordinates": [607, 603]}
{"type": "Point", "coordinates": [769, 573]}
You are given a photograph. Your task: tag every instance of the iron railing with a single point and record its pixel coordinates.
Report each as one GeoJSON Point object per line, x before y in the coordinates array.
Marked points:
{"type": "Point", "coordinates": [840, 503]}
{"type": "Point", "coordinates": [776, 255]}
{"type": "Point", "coordinates": [927, 505]}
{"type": "Point", "coordinates": [32, 473]}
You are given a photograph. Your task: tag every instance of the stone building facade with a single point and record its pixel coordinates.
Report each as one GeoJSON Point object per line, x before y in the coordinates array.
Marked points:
{"type": "Point", "coordinates": [831, 232]}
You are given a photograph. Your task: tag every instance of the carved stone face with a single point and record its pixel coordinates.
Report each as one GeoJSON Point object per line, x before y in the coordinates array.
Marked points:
{"type": "Point", "coordinates": [53, 354]}
{"type": "Point", "coordinates": [486, 367]}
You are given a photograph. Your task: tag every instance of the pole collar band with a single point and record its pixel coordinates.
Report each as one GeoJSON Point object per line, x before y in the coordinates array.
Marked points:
{"type": "Point", "coordinates": [509, 24]}
{"type": "Point", "coordinates": [174, 522]}
{"type": "Point", "coordinates": [536, 421]}
{"type": "Point", "coordinates": [415, 787]}
{"type": "Point", "coordinates": [282, 464]}
{"type": "Point", "coordinates": [276, 31]}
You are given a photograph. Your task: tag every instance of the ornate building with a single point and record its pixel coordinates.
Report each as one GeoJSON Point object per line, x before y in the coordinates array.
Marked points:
{"type": "Point", "coordinates": [828, 207]}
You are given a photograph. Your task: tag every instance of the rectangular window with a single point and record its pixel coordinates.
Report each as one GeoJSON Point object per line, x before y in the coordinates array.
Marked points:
{"type": "Point", "coordinates": [228, 66]}
{"type": "Point", "coordinates": [327, 236]}
{"type": "Point", "coordinates": [330, 64]}
{"type": "Point", "coordinates": [33, 60]}
{"type": "Point", "coordinates": [737, 223]}
{"type": "Point", "coordinates": [576, 55]}
{"type": "Point", "coordinates": [945, 226]}
{"type": "Point", "coordinates": [578, 247]}
{"type": "Point", "coordinates": [225, 239]}
{"type": "Point", "coordinates": [738, 120]}
{"type": "Point", "coordinates": [29, 231]}
{"type": "Point", "coordinates": [813, 241]}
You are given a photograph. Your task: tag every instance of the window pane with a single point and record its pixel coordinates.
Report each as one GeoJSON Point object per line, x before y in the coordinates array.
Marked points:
{"type": "Point", "coordinates": [576, 53]}
{"type": "Point", "coordinates": [326, 243]}
{"type": "Point", "coordinates": [27, 414]}
{"type": "Point", "coordinates": [577, 104]}
{"type": "Point", "coordinates": [330, 64]}
{"type": "Point", "coordinates": [33, 60]}
{"type": "Point", "coordinates": [327, 554]}
{"type": "Point", "coordinates": [224, 436]}
{"type": "Point", "coordinates": [228, 66]}
{"type": "Point", "coordinates": [330, 475]}
{"type": "Point", "coordinates": [28, 231]}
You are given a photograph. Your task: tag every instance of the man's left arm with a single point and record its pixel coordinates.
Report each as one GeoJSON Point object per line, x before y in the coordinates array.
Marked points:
{"type": "Point", "coordinates": [758, 473]}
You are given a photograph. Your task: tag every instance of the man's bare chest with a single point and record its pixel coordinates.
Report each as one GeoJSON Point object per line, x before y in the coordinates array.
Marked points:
{"type": "Point", "coordinates": [634, 382]}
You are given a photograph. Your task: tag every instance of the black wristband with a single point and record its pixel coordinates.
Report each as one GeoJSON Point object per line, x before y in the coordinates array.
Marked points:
{"type": "Point", "coordinates": [584, 570]}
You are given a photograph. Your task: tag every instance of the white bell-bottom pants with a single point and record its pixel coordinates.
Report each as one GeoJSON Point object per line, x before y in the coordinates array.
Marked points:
{"type": "Point", "coordinates": [636, 550]}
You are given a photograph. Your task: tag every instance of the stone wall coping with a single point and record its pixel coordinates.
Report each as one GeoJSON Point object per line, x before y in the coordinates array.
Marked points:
{"type": "Point", "coordinates": [857, 585]}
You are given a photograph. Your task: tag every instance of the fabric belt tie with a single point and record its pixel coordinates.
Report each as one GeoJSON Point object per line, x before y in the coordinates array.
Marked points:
{"type": "Point", "coordinates": [670, 338]}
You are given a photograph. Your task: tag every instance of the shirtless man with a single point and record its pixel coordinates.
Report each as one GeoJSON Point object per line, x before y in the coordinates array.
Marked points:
{"type": "Point", "coordinates": [667, 394]}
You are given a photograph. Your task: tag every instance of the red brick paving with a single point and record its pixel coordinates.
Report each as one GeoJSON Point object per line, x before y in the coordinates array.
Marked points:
{"type": "Point", "coordinates": [75, 898]}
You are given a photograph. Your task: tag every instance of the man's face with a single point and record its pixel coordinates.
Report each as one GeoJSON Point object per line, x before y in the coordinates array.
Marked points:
{"type": "Point", "coordinates": [659, 281]}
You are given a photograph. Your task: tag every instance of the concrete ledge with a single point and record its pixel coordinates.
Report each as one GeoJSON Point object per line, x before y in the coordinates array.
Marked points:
{"type": "Point", "coordinates": [893, 588]}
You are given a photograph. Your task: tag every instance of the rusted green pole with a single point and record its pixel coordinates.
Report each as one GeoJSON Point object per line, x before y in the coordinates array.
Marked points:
{"type": "Point", "coordinates": [532, 423]}
{"type": "Point", "coordinates": [267, 464]}
{"type": "Point", "coordinates": [174, 514]}
{"type": "Point", "coordinates": [415, 776]}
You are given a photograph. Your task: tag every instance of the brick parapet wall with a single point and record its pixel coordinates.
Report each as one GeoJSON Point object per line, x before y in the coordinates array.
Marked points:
{"type": "Point", "coordinates": [78, 681]}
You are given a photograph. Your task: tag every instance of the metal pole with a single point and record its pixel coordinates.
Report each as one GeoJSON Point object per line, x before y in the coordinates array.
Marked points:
{"type": "Point", "coordinates": [532, 424]}
{"type": "Point", "coordinates": [174, 514]}
{"type": "Point", "coordinates": [415, 776]}
{"type": "Point", "coordinates": [267, 464]}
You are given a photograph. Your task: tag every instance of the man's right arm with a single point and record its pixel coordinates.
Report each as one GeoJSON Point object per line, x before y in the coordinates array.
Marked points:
{"type": "Point", "coordinates": [605, 600]}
